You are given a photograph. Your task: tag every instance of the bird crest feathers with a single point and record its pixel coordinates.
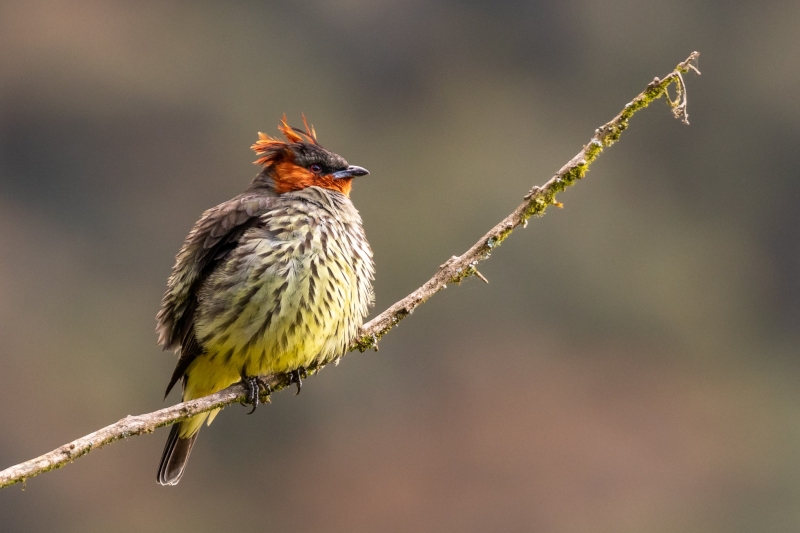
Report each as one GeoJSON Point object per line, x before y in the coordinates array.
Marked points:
{"type": "Point", "coordinates": [270, 147]}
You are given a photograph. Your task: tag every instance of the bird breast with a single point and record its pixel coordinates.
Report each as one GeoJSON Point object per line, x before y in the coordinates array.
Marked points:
{"type": "Point", "coordinates": [295, 290]}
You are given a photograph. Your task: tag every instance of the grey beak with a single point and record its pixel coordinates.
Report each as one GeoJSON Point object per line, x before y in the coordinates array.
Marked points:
{"type": "Point", "coordinates": [350, 172]}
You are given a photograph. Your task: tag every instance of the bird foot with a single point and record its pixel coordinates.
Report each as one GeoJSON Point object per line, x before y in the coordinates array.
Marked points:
{"type": "Point", "coordinates": [253, 396]}
{"type": "Point", "coordinates": [296, 377]}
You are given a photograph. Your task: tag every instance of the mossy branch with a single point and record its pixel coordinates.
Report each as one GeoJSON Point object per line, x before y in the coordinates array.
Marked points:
{"type": "Point", "coordinates": [455, 270]}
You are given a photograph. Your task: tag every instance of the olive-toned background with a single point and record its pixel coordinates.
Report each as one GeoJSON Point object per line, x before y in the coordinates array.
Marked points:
{"type": "Point", "coordinates": [633, 365]}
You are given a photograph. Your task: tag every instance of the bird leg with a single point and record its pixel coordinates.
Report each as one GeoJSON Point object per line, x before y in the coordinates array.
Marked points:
{"type": "Point", "coordinates": [253, 396]}
{"type": "Point", "coordinates": [296, 376]}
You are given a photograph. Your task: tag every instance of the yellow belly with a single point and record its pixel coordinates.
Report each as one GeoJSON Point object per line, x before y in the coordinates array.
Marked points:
{"type": "Point", "coordinates": [266, 316]}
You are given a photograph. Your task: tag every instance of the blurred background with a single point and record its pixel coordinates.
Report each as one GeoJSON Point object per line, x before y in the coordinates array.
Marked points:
{"type": "Point", "coordinates": [632, 366]}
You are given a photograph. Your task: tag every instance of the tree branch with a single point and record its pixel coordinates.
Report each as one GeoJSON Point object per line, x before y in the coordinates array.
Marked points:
{"type": "Point", "coordinates": [454, 270]}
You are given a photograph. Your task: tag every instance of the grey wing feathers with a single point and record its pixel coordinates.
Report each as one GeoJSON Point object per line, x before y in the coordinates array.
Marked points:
{"type": "Point", "coordinates": [211, 239]}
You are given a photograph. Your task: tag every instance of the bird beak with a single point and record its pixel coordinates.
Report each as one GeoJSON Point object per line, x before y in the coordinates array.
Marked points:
{"type": "Point", "coordinates": [350, 172]}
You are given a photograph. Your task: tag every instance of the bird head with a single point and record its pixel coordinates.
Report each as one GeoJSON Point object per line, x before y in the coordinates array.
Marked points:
{"type": "Point", "coordinates": [299, 162]}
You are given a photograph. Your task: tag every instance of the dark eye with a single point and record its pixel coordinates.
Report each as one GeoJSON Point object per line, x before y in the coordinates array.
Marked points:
{"type": "Point", "coordinates": [315, 168]}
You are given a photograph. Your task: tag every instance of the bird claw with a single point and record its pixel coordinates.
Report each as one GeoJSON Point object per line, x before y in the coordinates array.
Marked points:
{"type": "Point", "coordinates": [253, 395]}
{"type": "Point", "coordinates": [296, 376]}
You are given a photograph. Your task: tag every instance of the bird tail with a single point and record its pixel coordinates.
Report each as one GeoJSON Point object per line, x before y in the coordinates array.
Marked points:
{"type": "Point", "coordinates": [175, 456]}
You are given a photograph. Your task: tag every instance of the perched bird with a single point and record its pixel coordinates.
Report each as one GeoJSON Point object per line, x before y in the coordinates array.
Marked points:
{"type": "Point", "coordinates": [272, 281]}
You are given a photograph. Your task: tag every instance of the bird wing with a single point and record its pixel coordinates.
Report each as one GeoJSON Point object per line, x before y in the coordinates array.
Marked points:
{"type": "Point", "coordinates": [212, 238]}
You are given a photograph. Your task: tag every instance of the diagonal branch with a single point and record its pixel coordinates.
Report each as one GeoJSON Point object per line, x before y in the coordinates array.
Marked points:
{"type": "Point", "coordinates": [454, 270]}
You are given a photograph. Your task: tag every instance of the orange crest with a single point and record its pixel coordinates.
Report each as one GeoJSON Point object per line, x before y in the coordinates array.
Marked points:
{"type": "Point", "coordinates": [269, 147]}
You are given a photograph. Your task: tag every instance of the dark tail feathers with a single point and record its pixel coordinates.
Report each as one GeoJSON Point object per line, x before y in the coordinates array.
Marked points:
{"type": "Point", "coordinates": [176, 454]}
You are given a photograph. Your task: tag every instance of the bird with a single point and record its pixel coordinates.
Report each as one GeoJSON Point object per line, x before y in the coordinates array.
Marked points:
{"type": "Point", "coordinates": [276, 280]}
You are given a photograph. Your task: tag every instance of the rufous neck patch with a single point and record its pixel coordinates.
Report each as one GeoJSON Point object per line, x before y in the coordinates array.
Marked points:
{"type": "Point", "coordinates": [288, 177]}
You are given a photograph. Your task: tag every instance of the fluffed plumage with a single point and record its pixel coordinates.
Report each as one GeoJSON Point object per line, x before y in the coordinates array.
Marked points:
{"type": "Point", "coordinates": [274, 280]}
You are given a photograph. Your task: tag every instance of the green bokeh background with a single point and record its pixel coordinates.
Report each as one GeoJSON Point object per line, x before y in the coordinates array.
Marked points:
{"type": "Point", "coordinates": [632, 366]}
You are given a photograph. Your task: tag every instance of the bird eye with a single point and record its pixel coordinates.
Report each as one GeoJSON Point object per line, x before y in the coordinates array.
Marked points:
{"type": "Point", "coordinates": [315, 168]}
